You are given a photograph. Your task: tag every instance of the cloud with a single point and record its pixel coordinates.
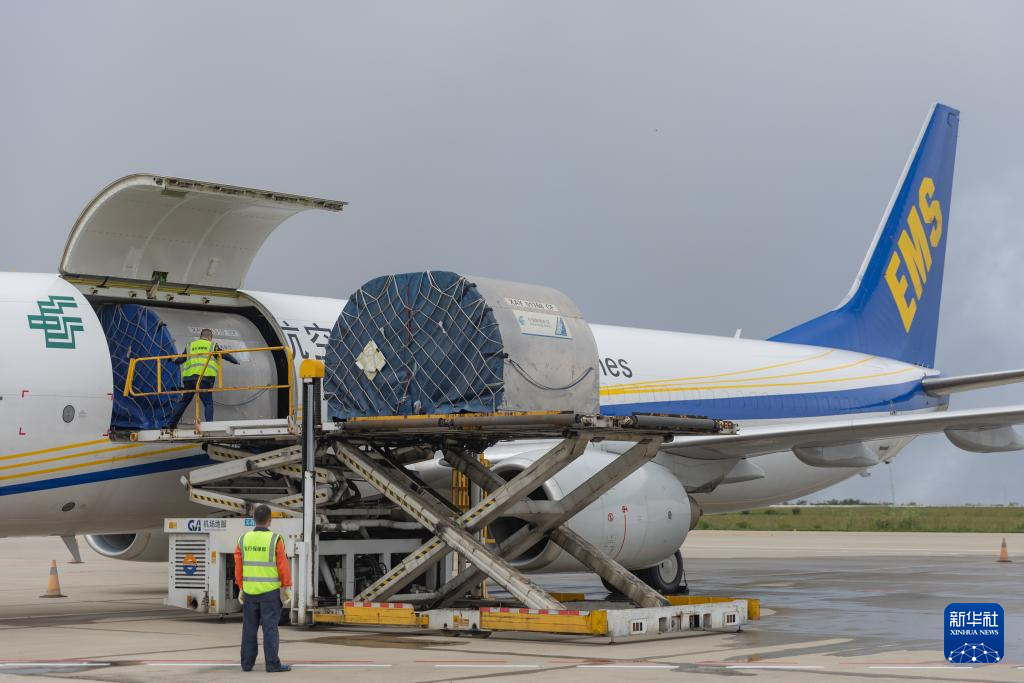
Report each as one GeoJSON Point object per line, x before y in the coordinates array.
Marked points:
{"type": "Point", "coordinates": [697, 167]}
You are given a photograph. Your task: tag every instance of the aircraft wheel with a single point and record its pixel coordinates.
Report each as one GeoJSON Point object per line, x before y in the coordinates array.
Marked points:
{"type": "Point", "coordinates": [666, 576]}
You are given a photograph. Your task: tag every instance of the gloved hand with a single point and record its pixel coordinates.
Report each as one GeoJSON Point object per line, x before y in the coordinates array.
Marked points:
{"type": "Point", "coordinates": [286, 596]}
{"type": "Point", "coordinates": [241, 597]}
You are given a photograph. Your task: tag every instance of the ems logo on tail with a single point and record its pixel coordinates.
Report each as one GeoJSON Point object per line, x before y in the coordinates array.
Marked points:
{"type": "Point", "coordinates": [917, 256]}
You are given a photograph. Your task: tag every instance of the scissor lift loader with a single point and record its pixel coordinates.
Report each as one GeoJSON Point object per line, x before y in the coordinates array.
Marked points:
{"type": "Point", "coordinates": [349, 473]}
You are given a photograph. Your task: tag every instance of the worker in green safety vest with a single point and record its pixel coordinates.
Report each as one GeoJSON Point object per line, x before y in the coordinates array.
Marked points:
{"type": "Point", "coordinates": [199, 374]}
{"type": "Point", "coordinates": [264, 579]}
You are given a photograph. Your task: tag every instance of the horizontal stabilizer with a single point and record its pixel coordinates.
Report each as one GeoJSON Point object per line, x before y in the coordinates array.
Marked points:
{"type": "Point", "coordinates": [943, 386]}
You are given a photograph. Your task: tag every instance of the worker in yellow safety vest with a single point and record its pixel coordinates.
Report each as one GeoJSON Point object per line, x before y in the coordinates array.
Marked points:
{"type": "Point", "coordinates": [199, 374]}
{"type": "Point", "coordinates": [264, 580]}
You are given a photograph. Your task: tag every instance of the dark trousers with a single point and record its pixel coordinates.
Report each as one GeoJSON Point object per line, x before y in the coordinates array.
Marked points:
{"type": "Point", "coordinates": [206, 397]}
{"type": "Point", "coordinates": [261, 610]}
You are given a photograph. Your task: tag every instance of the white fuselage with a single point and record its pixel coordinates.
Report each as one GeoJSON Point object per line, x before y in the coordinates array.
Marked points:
{"type": "Point", "coordinates": [61, 474]}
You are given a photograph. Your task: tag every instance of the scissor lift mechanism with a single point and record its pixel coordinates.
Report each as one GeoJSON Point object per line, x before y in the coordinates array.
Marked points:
{"type": "Point", "coordinates": [365, 448]}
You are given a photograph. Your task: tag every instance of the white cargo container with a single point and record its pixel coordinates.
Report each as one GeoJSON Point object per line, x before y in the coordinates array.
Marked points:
{"type": "Point", "coordinates": [438, 342]}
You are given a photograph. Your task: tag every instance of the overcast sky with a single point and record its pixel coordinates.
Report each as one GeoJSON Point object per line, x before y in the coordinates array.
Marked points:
{"type": "Point", "coordinates": [698, 167]}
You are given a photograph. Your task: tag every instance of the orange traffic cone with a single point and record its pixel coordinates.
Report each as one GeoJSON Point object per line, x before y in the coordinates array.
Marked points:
{"type": "Point", "coordinates": [1004, 556]}
{"type": "Point", "coordinates": [53, 583]}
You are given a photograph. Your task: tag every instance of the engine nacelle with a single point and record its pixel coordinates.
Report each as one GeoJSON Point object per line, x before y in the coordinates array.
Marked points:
{"type": "Point", "coordinates": [639, 522]}
{"type": "Point", "coordinates": [141, 546]}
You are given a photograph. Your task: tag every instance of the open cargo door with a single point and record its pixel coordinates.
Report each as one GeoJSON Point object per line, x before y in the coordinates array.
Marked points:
{"type": "Point", "coordinates": [162, 233]}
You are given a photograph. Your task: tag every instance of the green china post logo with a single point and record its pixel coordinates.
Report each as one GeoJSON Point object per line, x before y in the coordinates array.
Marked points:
{"type": "Point", "coordinates": [58, 328]}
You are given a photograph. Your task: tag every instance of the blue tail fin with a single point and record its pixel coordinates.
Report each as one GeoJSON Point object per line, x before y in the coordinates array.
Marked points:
{"type": "Point", "coordinates": [893, 308]}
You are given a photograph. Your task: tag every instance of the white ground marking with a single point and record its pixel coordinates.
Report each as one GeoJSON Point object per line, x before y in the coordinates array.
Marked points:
{"type": "Point", "coordinates": [910, 666]}
{"type": "Point", "coordinates": [774, 666]}
{"type": "Point", "coordinates": [626, 666]}
{"type": "Point", "coordinates": [487, 666]}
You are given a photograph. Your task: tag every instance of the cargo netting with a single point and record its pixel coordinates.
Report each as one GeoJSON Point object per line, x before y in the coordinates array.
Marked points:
{"type": "Point", "coordinates": [135, 331]}
{"type": "Point", "coordinates": [411, 344]}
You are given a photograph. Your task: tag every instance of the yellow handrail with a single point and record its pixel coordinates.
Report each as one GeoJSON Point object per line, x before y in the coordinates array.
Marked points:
{"type": "Point", "coordinates": [129, 388]}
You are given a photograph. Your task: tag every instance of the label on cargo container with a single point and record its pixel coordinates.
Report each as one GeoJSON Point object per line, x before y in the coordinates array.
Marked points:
{"type": "Point", "coordinates": [532, 305]}
{"type": "Point", "coordinates": [217, 332]}
{"type": "Point", "coordinates": [542, 324]}
{"type": "Point", "coordinates": [371, 360]}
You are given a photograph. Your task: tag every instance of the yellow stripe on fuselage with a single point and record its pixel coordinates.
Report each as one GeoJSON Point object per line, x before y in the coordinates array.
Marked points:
{"type": "Point", "coordinates": [80, 454]}
{"type": "Point", "coordinates": [659, 385]}
{"type": "Point", "coordinates": [619, 392]}
{"type": "Point", "coordinates": [105, 461]}
{"type": "Point", "coordinates": [730, 374]}
{"type": "Point", "coordinates": [54, 449]}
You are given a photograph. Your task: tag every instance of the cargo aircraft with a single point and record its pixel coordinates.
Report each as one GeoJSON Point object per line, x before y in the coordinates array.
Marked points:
{"type": "Point", "coordinates": [817, 403]}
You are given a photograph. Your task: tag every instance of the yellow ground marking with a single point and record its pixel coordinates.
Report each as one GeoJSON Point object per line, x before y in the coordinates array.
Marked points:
{"type": "Point", "coordinates": [97, 462]}
{"type": "Point", "coordinates": [659, 385]}
{"type": "Point", "coordinates": [80, 454]}
{"type": "Point", "coordinates": [757, 386]}
{"type": "Point", "coordinates": [734, 372]}
{"type": "Point", "coordinates": [55, 448]}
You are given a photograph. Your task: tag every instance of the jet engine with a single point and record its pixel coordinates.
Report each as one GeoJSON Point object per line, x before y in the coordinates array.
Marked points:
{"type": "Point", "coordinates": [141, 546]}
{"type": "Point", "coordinates": [640, 522]}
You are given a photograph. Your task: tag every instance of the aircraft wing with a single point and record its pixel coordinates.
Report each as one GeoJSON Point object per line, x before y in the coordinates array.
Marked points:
{"type": "Point", "coordinates": [842, 443]}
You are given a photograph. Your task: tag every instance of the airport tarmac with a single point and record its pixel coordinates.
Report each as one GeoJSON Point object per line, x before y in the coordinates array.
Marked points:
{"type": "Point", "coordinates": [838, 606]}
